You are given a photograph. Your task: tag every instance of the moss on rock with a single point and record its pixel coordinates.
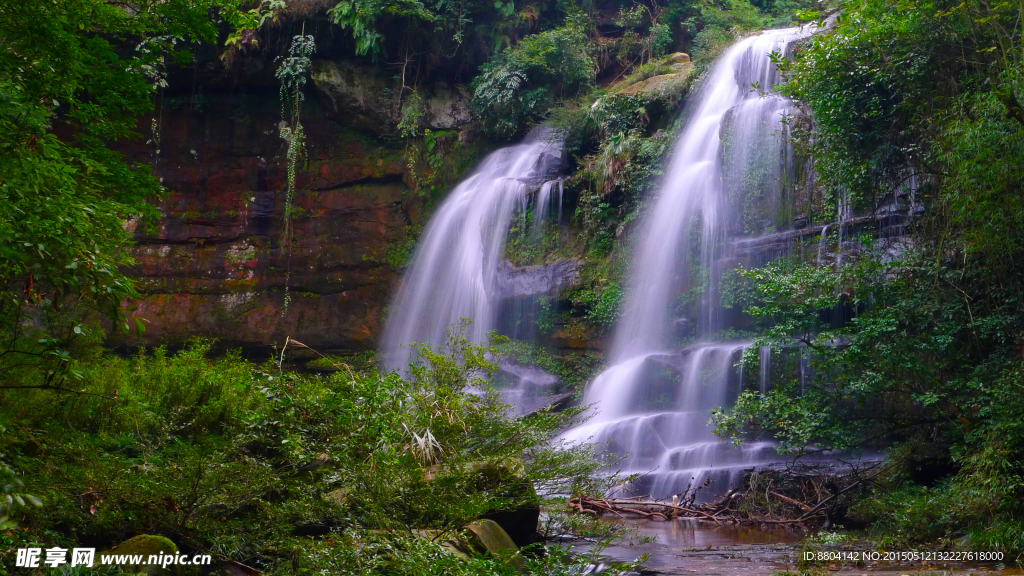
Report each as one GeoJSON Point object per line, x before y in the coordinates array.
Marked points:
{"type": "Point", "coordinates": [145, 545]}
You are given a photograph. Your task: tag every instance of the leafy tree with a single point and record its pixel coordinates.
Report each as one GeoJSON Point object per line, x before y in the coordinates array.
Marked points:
{"type": "Point", "coordinates": [75, 78]}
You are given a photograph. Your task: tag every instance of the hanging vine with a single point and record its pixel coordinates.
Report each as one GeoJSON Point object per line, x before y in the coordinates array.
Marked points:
{"type": "Point", "coordinates": [292, 73]}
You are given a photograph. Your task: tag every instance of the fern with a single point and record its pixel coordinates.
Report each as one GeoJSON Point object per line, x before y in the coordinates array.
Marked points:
{"type": "Point", "coordinates": [292, 73]}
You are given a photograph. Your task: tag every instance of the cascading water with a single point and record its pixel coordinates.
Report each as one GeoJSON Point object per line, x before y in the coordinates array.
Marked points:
{"type": "Point", "coordinates": [653, 404]}
{"type": "Point", "coordinates": [455, 272]}
{"type": "Point", "coordinates": [544, 198]}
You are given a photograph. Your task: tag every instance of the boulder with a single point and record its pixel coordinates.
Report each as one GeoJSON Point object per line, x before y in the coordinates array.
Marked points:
{"type": "Point", "coordinates": [488, 536]}
{"type": "Point", "coordinates": [553, 403]}
{"type": "Point", "coordinates": [480, 537]}
{"type": "Point", "coordinates": [519, 522]}
{"type": "Point", "coordinates": [145, 545]}
{"type": "Point", "coordinates": [457, 546]}
{"type": "Point", "coordinates": [543, 279]}
{"type": "Point", "coordinates": [663, 86]}
{"type": "Point", "coordinates": [679, 57]}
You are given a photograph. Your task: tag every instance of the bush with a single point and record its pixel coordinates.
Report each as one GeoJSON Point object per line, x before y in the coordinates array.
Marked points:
{"type": "Point", "coordinates": [242, 461]}
{"type": "Point", "coordinates": [520, 83]}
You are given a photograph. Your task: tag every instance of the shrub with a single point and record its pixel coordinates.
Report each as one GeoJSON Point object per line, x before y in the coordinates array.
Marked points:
{"type": "Point", "coordinates": [240, 460]}
{"type": "Point", "coordinates": [522, 82]}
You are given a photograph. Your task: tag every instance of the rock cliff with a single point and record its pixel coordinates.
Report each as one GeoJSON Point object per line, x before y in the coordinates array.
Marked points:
{"type": "Point", "coordinates": [214, 265]}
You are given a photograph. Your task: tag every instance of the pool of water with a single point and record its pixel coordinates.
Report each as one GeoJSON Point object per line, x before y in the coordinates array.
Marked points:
{"type": "Point", "coordinates": [684, 545]}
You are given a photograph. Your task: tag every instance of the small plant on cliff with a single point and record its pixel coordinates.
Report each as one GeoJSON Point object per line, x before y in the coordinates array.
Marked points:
{"type": "Point", "coordinates": [292, 73]}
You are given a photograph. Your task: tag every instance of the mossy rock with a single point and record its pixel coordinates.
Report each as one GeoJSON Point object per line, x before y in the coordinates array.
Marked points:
{"type": "Point", "coordinates": [507, 480]}
{"type": "Point", "coordinates": [339, 496]}
{"type": "Point", "coordinates": [145, 545]}
{"type": "Point", "coordinates": [664, 86]}
{"type": "Point", "coordinates": [486, 536]}
{"type": "Point", "coordinates": [457, 546]}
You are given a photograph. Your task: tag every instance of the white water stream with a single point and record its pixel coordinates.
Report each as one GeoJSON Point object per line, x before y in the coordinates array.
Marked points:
{"type": "Point", "coordinates": [653, 403]}
{"type": "Point", "coordinates": [454, 274]}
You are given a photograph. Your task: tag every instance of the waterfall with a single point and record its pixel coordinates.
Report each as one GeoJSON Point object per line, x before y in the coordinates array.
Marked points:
{"type": "Point", "coordinates": [652, 405]}
{"type": "Point", "coordinates": [544, 198]}
{"type": "Point", "coordinates": [454, 273]}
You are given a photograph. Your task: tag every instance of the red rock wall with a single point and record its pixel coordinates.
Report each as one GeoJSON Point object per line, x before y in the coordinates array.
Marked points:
{"type": "Point", "coordinates": [214, 266]}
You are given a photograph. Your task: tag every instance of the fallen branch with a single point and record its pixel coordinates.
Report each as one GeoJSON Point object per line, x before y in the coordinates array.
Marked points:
{"type": "Point", "coordinates": [638, 507]}
{"type": "Point", "coordinates": [796, 503]}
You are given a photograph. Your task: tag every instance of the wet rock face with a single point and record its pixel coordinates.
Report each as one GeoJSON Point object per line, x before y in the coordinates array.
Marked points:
{"type": "Point", "coordinates": [543, 279]}
{"type": "Point", "coordinates": [356, 96]}
{"type": "Point", "coordinates": [355, 92]}
{"type": "Point", "coordinates": [216, 263]}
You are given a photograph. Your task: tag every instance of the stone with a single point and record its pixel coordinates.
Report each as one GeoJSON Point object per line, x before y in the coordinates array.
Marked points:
{"type": "Point", "coordinates": [679, 57]}
{"type": "Point", "coordinates": [447, 107]}
{"type": "Point", "coordinates": [145, 545]}
{"type": "Point", "coordinates": [212, 264]}
{"type": "Point", "coordinates": [354, 94]}
{"type": "Point", "coordinates": [554, 404]}
{"type": "Point", "coordinates": [663, 85]}
{"type": "Point", "coordinates": [456, 546]}
{"type": "Point", "coordinates": [338, 496]}
{"type": "Point", "coordinates": [520, 522]}
{"type": "Point", "coordinates": [549, 279]}
{"type": "Point", "coordinates": [488, 536]}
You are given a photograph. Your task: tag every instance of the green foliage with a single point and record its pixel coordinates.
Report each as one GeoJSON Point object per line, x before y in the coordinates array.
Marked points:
{"type": "Point", "coordinates": [232, 459]}
{"type": "Point", "coordinates": [917, 347]}
{"type": "Point", "coordinates": [522, 82]}
{"type": "Point", "coordinates": [246, 23]}
{"type": "Point", "coordinates": [412, 116]}
{"type": "Point", "coordinates": [983, 189]}
{"type": "Point", "coordinates": [636, 46]}
{"type": "Point", "coordinates": [932, 356]}
{"type": "Point", "coordinates": [710, 42]}
{"type": "Point", "coordinates": [920, 91]}
{"type": "Point", "coordinates": [426, 157]}
{"type": "Point", "coordinates": [603, 304]}
{"type": "Point", "coordinates": [69, 204]}
{"type": "Point", "coordinates": [12, 499]}
{"type": "Point", "coordinates": [368, 19]}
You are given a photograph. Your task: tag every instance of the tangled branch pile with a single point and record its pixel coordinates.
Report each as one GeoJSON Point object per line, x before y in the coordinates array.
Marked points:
{"type": "Point", "coordinates": [799, 495]}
